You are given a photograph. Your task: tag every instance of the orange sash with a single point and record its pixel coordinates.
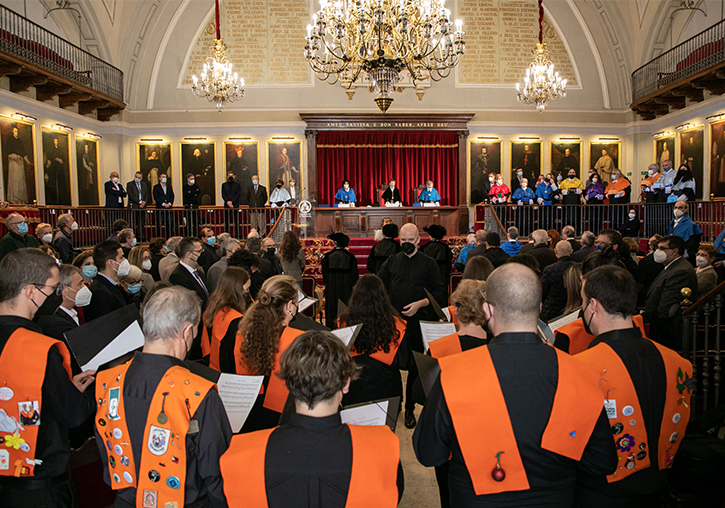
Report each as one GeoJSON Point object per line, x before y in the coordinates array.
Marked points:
{"type": "Point", "coordinates": [176, 399]}
{"type": "Point", "coordinates": [617, 186]}
{"type": "Point", "coordinates": [579, 339]}
{"type": "Point", "coordinates": [22, 372]}
{"type": "Point", "coordinates": [574, 413]}
{"type": "Point", "coordinates": [445, 346]}
{"type": "Point", "coordinates": [382, 356]}
{"type": "Point", "coordinates": [205, 342]}
{"type": "Point", "coordinates": [219, 329]}
{"type": "Point", "coordinates": [452, 310]}
{"type": "Point", "coordinates": [373, 478]}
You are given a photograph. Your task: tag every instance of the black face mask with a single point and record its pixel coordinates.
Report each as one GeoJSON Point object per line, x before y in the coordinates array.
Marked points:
{"type": "Point", "coordinates": [201, 259]}
{"type": "Point", "coordinates": [279, 186]}
{"type": "Point", "coordinates": [584, 320]}
{"type": "Point", "coordinates": [271, 250]}
{"type": "Point", "coordinates": [50, 305]}
{"type": "Point", "coordinates": [230, 179]}
{"type": "Point", "coordinates": [571, 177]}
{"type": "Point", "coordinates": [547, 180]}
{"type": "Point", "coordinates": [407, 248]}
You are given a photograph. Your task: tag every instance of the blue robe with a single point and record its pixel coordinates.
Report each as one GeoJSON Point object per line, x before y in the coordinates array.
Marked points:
{"type": "Point", "coordinates": [524, 195]}
{"type": "Point", "coordinates": [545, 192]}
{"type": "Point", "coordinates": [685, 228]}
{"type": "Point", "coordinates": [511, 248]}
{"type": "Point", "coordinates": [345, 196]}
{"type": "Point", "coordinates": [719, 244]}
{"type": "Point", "coordinates": [463, 253]}
{"type": "Point", "coordinates": [429, 195]}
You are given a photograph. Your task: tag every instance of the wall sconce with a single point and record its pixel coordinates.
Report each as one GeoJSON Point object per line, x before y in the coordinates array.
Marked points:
{"type": "Point", "coordinates": [21, 116]}
{"type": "Point", "coordinates": [61, 127]}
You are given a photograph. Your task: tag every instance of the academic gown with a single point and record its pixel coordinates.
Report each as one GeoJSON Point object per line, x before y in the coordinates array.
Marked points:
{"type": "Point", "coordinates": [429, 196]}
{"type": "Point", "coordinates": [391, 196]}
{"type": "Point", "coordinates": [442, 255]}
{"type": "Point", "coordinates": [340, 274]}
{"type": "Point", "coordinates": [380, 252]}
{"type": "Point", "coordinates": [345, 196]}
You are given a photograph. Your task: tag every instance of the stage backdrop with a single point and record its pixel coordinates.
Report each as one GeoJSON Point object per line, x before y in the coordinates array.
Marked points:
{"type": "Point", "coordinates": [370, 159]}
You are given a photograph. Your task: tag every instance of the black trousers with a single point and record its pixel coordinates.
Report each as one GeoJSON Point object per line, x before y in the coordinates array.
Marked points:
{"type": "Point", "coordinates": [26, 493]}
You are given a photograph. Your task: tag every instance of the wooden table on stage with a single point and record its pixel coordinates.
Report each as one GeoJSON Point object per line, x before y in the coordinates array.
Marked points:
{"type": "Point", "coordinates": [363, 221]}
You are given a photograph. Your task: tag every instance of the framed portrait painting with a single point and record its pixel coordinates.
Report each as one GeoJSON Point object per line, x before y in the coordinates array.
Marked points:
{"type": "Point", "coordinates": [56, 167]}
{"type": "Point", "coordinates": [692, 155]}
{"type": "Point", "coordinates": [153, 160]}
{"type": "Point", "coordinates": [284, 162]}
{"type": "Point", "coordinates": [566, 156]}
{"type": "Point", "coordinates": [17, 149]}
{"type": "Point", "coordinates": [527, 156]}
{"type": "Point", "coordinates": [665, 150]}
{"type": "Point", "coordinates": [198, 159]}
{"type": "Point", "coordinates": [717, 159]}
{"type": "Point", "coordinates": [87, 172]}
{"type": "Point", "coordinates": [604, 158]}
{"type": "Point", "coordinates": [242, 159]}
{"type": "Point", "coordinates": [484, 158]}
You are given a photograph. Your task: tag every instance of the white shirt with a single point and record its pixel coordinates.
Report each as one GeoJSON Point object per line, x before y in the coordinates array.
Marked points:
{"type": "Point", "coordinates": [108, 279]}
{"type": "Point", "coordinates": [191, 270]}
{"type": "Point", "coordinates": [72, 313]}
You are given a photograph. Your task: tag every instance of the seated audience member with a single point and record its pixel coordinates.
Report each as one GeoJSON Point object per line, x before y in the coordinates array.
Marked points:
{"type": "Point", "coordinates": [618, 189]}
{"type": "Point", "coordinates": [127, 239]}
{"type": "Point", "coordinates": [632, 247]}
{"type": "Point", "coordinates": [512, 246]}
{"type": "Point", "coordinates": [647, 270]}
{"type": "Point", "coordinates": [266, 268]}
{"type": "Point", "coordinates": [612, 238]}
{"type": "Point", "coordinates": [530, 461]}
{"type": "Point", "coordinates": [171, 260]}
{"type": "Point", "coordinates": [385, 248]}
{"type": "Point", "coordinates": [264, 336]}
{"type": "Point", "coordinates": [140, 257]}
{"type": "Point", "coordinates": [568, 233]}
{"type": "Point", "coordinates": [224, 312]}
{"type": "Point", "coordinates": [683, 186]}
{"type": "Point", "coordinates": [429, 194]}
{"type": "Point", "coordinates": [44, 233]}
{"type": "Point", "coordinates": [478, 268]}
{"type": "Point", "coordinates": [631, 227]}
{"type": "Point", "coordinates": [494, 253]}
{"type": "Point", "coordinates": [292, 256]}
{"type": "Point", "coordinates": [118, 226]}
{"type": "Point", "coordinates": [552, 282]}
{"type": "Point", "coordinates": [468, 302]}
{"type": "Point", "coordinates": [645, 377]}
{"type": "Point", "coordinates": [63, 239]}
{"type": "Point", "coordinates": [36, 368]}
{"type": "Point", "coordinates": [499, 192]}
{"type": "Point", "coordinates": [541, 251]}
{"type": "Point", "coordinates": [132, 284]}
{"type": "Point", "coordinates": [438, 250]}
{"type": "Point", "coordinates": [226, 249]}
{"type": "Point", "coordinates": [161, 403]}
{"type": "Point", "coordinates": [706, 275]}
{"type": "Point", "coordinates": [242, 258]}
{"type": "Point", "coordinates": [480, 248]}
{"type": "Point", "coordinates": [380, 348]}
{"type": "Point", "coordinates": [587, 246]}
{"type": "Point", "coordinates": [524, 195]}
{"type": "Point", "coordinates": [526, 260]}
{"type": "Point", "coordinates": [208, 243]}
{"type": "Point", "coordinates": [460, 261]}
{"type": "Point", "coordinates": [392, 194]}
{"type": "Point", "coordinates": [526, 248]}
{"type": "Point", "coordinates": [315, 460]}
{"type": "Point", "coordinates": [684, 227]}
{"type": "Point", "coordinates": [552, 238]}
{"type": "Point", "coordinates": [50, 251]}
{"type": "Point", "coordinates": [346, 194]}
{"type": "Point", "coordinates": [269, 252]}
{"type": "Point", "coordinates": [84, 262]}
{"type": "Point", "coordinates": [340, 274]}
{"type": "Point", "coordinates": [253, 233]}
{"type": "Point", "coordinates": [17, 236]}
{"type": "Point", "coordinates": [573, 287]}
{"type": "Point", "coordinates": [157, 248]}
{"type": "Point", "coordinates": [107, 294]}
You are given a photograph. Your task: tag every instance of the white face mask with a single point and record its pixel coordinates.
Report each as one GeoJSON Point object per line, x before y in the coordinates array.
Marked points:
{"type": "Point", "coordinates": [347, 187]}
{"type": "Point", "coordinates": [115, 180]}
{"type": "Point", "coordinates": [123, 268]}
{"type": "Point", "coordinates": [291, 184]}
{"type": "Point", "coordinates": [48, 238]}
{"type": "Point", "coordinates": [594, 180]}
{"type": "Point", "coordinates": [146, 265]}
{"type": "Point", "coordinates": [524, 185]}
{"type": "Point", "coordinates": [700, 261]}
{"type": "Point", "coordinates": [679, 213]}
{"type": "Point", "coordinates": [499, 182]}
{"type": "Point", "coordinates": [660, 256]}
{"type": "Point", "coordinates": [191, 182]}
{"type": "Point", "coordinates": [558, 178]}
{"type": "Point", "coordinates": [631, 216]}
{"type": "Point", "coordinates": [74, 226]}
{"type": "Point", "coordinates": [83, 297]}
{"type": "Point", "coordinates": [652, 173]}
{"type": "Point", "coordinates": [490, 179]}
{"type": "Point", "coordinates": [614, 178]}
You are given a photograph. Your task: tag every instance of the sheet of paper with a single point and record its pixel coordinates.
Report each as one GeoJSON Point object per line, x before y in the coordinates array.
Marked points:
{"type": "Point", "coordinates": [433, 331]}
{"type": "Point", "coordinates": [305, 303]}
{"type": "Point", "coordinates": [447, 312]}
{"type": "Point", "coordinates": [128, 340]}
{"type": "Point", "coordinates": [369, 414]}
{"type": "Point", "coordinates": [345, 334]}
{"type": "Point", "coordinates": [558, 322]}
{"type": "Point", "coordinates": [238, 394]}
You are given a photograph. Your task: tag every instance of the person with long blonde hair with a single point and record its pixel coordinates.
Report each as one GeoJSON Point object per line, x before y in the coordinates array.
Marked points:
{"type": "Point", "coordinates": [264, 335]}
{"type": "Point", "coordinates": [468, 301]}
{"type": "Point", "coordinates": [223, 314]}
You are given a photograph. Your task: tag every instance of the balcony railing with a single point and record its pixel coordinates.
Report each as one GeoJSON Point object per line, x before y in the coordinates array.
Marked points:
{"type": "Point", "coordinates": [34, 44]}
{"type": "Point", "coordinates": [696, 54]}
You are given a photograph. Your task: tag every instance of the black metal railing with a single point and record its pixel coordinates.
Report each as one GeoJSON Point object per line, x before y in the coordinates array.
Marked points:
{"type": "Point", "coordinates": [684, 60]}
{"type": "Point", "coordinates": [34, 44]}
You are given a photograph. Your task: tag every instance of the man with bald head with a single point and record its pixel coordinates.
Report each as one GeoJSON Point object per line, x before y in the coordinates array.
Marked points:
{"type": "Point", "coordinates": [491, 410]}
{"type": "Point", "coordinates": [406, 276]}
{"type": "Point", "coordinates": [17, 236]}
{"type": "Point", "coordinates": [552, 282]}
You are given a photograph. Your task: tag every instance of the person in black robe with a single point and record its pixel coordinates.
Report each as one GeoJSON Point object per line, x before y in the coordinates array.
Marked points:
{"type": "Point", "coordinates": [392, 194]}
{"type": "Point", "coordinates": [631, 226]}
{"type": "Point", "coordinates": [339, 272]}
{"type": "Point", "coordinates": [385, 248]}
{"type": "Point", "coordinates": [57, 191]}
{"type": "Point", "coordinates": [438, 250]}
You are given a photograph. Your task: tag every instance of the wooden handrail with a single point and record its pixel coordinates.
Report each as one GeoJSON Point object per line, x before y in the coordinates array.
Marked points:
{"type": "Point", "coordinates": [279, 219]}
{"type": "Point", "coordinates": [705, 299]}
{"type": "Point", "coordinates": [495, 216]}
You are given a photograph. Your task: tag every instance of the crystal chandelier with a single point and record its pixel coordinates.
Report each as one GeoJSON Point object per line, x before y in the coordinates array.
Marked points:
{"type": "Point", "coordinates": [375, 40]}
{"type": "Point", "coordinates": [218, 83]}
{"type": "Point", "coordinates": [541, 84]}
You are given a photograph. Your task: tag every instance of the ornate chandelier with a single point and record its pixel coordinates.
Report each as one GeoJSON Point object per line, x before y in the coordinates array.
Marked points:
{"type": "Point", "coordinates": [218, 83]}
{"type": "Point", "coordinates": [541, 83]}
{"type": "Point", "coordinates": [353, 40]}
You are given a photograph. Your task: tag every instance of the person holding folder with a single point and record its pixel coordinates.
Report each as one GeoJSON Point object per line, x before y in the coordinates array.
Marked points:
{"type": "Point", "coordinates": [315, 459]}
{"type": "Point", "coordinates": [160, 429]}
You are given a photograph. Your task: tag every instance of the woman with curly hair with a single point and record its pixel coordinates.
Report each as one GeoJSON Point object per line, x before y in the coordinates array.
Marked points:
{"type": "Point", "coordinates": [292, 256]}
{"type": "Point", "coordinates": [468, 301]}
{"type": "Point", "coordinates": [379, 347]}
{"type": "Point", "coordinates": [224, 311]}
{"type": "Point", "coordinates": [264, 335]}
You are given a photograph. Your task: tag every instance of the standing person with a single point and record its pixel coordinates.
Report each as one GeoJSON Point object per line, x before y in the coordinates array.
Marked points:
{"type": "Point", "coordinates": [292, 257]}
{"type": "Point", "coordinates": [153, 401]}
{"type": "Point", "coordinates": [107, 294]}
{"type": "Point", "coordinates": [191, 202]}
{"type": "Point", "coordinates": [499, 192]}
{"type": "Point", "coordinates": [646, 395]}
{"type": "Point", "coordinates": [522, 196]}
{"type": "Point", "coordinates": [528, 457]}
{"type": "Point", "coordinates": [438, 250]}
{"type": "Point", "coordinates": [517, 180]}
{"type": "Point", "coordinates": [668, 180]}
{"type": "Point", "coordinates": [651, 185]}
{"type": "Point", "coordinates": [36, 369]}
{"type": "Point", "coordinates": [385, 248]}
{"type": "Point", "coordinates": [257, 198]}
{"type": "Point", "coordinates": [406, 276]}
{"type": "Point", "coordinates": [572, 190]}
{"type": "Point", "coordinates": [63, 240]}
{"type": "Point", "coordinates": [546, 193]}
{"type": "Point", "coordinates": [164, 198]}
{"type": "Point", "coordinates": [683, 186]}
{"type": "Point", "coordinates": [138, 198]}
{"type": "Point", "coordinates": [553, 292]}
{"type": "Point", "coordinates": [294, 192]}
{"type": "Point", "coordinates": [346, 195]}
{"type": "Point", "coordinates": [226, 250]}
{"type": "Point", "coordinates": [568, 233]}
{"type": "Point", "coordinates": [392, 194]}
{"type": "Point", "coordinates": [114, 191]}
{"type": "Point", "coordinates": [17, 236]}
{"type": "Point", "coordinates": [594, 195]}
{"type": "Point", "coordinates": [684, 227]}
{"type": "Point", "coordinates": [340, 274]}
{"type": "Point", "coordinates": [231, 197]}
{"type": "Point", "coordinates": [315, 460]}
{"type": "Point", "coordinates": [618, 189]}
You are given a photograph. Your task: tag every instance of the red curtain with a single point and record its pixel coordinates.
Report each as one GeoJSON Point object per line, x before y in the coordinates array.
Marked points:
{"type": "Point", "coordinates": [371, 159]}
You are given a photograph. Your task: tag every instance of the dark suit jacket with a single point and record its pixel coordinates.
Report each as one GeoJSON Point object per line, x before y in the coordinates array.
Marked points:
{"type": "Point", "coordinates": [211, 256]}
{"type": "Point", "coordinates": [112, 195]}
{"type": "Point", "coordinates": [106, 298]}
{"type": "Point", "coordinates": [575, 246]}
{"type": "Point", "coordinates": [663, 297]}
{"type": "Point", "coordinates": [56, 326]}
{"type": "Point", "coordinates": [579, 255]}
{"type": "Point", "coordinates": [544, 255]}
{"type": "Point", "coordinates": [191, 195]}
{"type": "Point", "coordinates": [160, 197]}
{"type": "Point", "coordinates": [258, 199]}
{"type": "Point", "coordinates": [182, 277]}
{"type": "Point", "coordinates": [231, 191]}
{"type": "Point", "coordinates": [496, 255]}
{"type": "Point", "coordinates": [134, 198]}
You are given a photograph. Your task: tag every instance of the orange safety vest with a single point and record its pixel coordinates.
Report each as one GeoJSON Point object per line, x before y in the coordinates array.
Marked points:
{"type": "Point", "coordinates": [622, 405]}
{"type": "Point", "coordinates": [445, 346]}
{"type": "Point", "coordinates": [574, 413]}
{"type": "Point", "coordinates": [277, 392]}
{"type": "Point", "coordinates": [22, 371]}
{"type": "Point", "coordinates": [373, 479]}
{"type": "Point", "coordinates": [579, 339]}
{"type": "Point", "coordinates": [382, 356]}
{"type": "Point", "coordinates": [219, 329]}
{"type": "Point", "coordinates": [162, 472]}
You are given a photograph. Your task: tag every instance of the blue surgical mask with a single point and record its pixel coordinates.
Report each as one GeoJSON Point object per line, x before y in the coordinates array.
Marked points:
{"type": "Point", "coordinates": [137, 180]}
{"type": "Point", "coordinates": [133, 288]}
{"type": "Point", "coordinates": [90, 271]}
{"type": "Point", "coordinates": [255, 182]}
{"type": "Point", "coordinates": [133, 243]}
{"type": "Point", "coordinates": [163, 180]}
{"type": "Point", "coordinates": [211, 241]}
{"type": "Point", "coordinates": [23, 228]}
